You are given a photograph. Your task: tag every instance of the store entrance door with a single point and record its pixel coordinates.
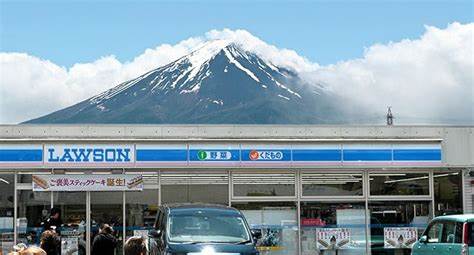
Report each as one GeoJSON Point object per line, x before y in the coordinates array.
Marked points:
{"type": "Point", "coordinates": [277, 222]}
{"type": "Point", "coordinates": [79, 234]}
{"type": "Point", "coordinates": [73, 233]}
{"type": "Point", "coordinates": [396, 225]}
{"type": "Point", "coordinates": [106, 209]}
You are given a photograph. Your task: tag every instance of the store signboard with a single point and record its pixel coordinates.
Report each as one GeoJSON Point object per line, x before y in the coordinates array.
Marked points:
{"type": "Point", "coordinates": [181, 154]}
{"type": "Point", "coordinates": [18, 155]}
{"type": "Point", "coordinates": [396, 238]}
{"type": "Point", "coordinates": [97, 182]}
{"type": "Point", "coordinates": [416, 153]}
{"type": "Point", "coordinates": [89, 154]}
{"type": "Point", "coordinates": [214, 154]}
{"type": "Point", "coordinates": [316, 154]}
{"type": "Point", "coordinates": [367, 153]}
{"type": "Point", "coordinates": [266, 154]}
{"type": "Point", "coordinates": [165, 154]}
{"type": "Point", "coordinates": [333, 238]}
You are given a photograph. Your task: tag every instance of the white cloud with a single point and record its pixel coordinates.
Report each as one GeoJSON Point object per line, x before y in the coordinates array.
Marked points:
{"type": "Point", "coordinates": [281, 57]}
{"type": "Point", "coordinates": [31, 87]}
{"type": "Point", "coordinates": [426, 80]}
{"type": "Point", "coordinates": [428, 77]}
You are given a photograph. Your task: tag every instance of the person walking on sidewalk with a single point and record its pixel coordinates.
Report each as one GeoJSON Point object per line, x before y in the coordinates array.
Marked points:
{"type": "Point", "coordinates": [104, 242]}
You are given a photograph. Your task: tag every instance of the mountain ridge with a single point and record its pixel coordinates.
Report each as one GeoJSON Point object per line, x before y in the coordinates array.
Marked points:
{"type": "Point", "coordinates": [219, 82]}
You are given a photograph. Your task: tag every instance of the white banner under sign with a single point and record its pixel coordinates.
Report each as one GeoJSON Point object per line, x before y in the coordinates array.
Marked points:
{"type": "Point", "coordinates": [76, 182]}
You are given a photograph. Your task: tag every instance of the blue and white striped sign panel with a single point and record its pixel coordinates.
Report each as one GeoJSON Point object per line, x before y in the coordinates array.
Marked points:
{"type": "Point", "coordinates": [416, 154]}
{"type": "Point", "coordinates": [265, 154]}
{"type": "Point", "coordinates": [214, 154]}
{"type": "Point", "coordinates": [366, 154]}
{"type": "Point", "coordinates": [221, 154]}
{"type": "Point", "coordinates": [317, 154]}
{"type": "Point", "coordinates": [172, 154]}
{"type": "Point", "coordinates": [21, 155]}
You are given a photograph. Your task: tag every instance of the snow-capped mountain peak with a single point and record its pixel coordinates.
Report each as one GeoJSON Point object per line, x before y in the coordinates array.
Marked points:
{"type": "Point", "coordinates": [187, 74]}
{"type": "Point", "coordinates": [220, 77]}
{"type": "Point", "coordinates": [206, 52]}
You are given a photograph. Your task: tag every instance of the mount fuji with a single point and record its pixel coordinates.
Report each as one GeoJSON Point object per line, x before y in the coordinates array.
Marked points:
{"type": "Point", "coordinates": [219, 83]}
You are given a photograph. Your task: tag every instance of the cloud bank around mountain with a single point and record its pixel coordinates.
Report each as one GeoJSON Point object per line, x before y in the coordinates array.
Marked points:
{"type": "Point", "coordinates": [426, 80]}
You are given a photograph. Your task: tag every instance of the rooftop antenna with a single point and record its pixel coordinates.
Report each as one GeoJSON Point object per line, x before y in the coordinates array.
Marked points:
{"type": "Point", "coordinates": [389, 116]}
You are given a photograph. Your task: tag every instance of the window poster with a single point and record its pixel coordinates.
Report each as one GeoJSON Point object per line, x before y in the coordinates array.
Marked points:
{"type": "Point", "coordinates": [396, 238]}
{"type": "Point", "coordinates": [69, 245]}
{"type": "Point", "coordinates": [333, 238]}
{"type": "Point", "coordinates": [272, 239]}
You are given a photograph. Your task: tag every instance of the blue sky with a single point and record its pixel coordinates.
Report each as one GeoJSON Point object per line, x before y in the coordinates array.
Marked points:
{"type": "Point", "coordinates": [323, 31]}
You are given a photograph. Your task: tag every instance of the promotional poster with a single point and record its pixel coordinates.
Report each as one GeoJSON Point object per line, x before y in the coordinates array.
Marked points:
{"type": "Point", "coordinates": [332, 238]}
{"type": "Point", "coordinates": [399, 237]}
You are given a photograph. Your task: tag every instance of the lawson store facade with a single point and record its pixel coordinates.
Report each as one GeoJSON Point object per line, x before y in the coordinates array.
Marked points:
{"type": "Point", "coordinates": [308, 189]}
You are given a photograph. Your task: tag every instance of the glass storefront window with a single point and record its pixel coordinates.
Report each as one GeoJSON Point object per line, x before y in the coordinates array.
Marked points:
{"type": "Point", "coordinates": [448, 193]}
{"type": "Point", "coordinates": [141, 208]}
{"type": "Point", "coordinates": [396, 225]}
{"type": "Point", "coordinates": [399, 184]}
{"type": "Point", "coordinates": [268, 184]}
{"type": "Point", "coordinates": [107, 208]}
{"type": "Point", "coordinates": [333, 228]}
{"type": "Point", "coordinates": [277, 221]}
{"type": "Point", "coordinates": [33, 209]}
{"type": "Point", "coordinates": [73, 216]}
{"type": "Point", "coordinates": [333, 184]}
{"type": "Point", "coordinates": [193, 187]}
{"type": "Point", "coordinates": [7, 189]}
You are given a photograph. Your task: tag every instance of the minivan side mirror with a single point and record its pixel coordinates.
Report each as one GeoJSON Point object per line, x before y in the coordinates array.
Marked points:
{"type": "Point", "coordinates": [423, 239]}
{"type": "Point", "coordinates": [155, 233]}
{"type": "Point", "coordinates": [256, 233]}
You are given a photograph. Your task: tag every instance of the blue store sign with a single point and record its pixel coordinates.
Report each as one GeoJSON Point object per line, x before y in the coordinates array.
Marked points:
{"type": "Point", "coordinates": [182, 154]}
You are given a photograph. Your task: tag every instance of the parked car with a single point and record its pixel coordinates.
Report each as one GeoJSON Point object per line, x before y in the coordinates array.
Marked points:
{"type": "Point", "coordinates": [202, 229]}
{"type": "Point", "coordinates": [453, 234]}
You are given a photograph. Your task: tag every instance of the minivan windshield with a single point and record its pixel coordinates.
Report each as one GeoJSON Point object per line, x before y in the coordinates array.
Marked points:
{"type": "Point", "coordinates": [203, 228]}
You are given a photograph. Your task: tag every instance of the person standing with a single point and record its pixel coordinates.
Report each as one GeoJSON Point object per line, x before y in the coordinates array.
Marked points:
{"type": "Point", "coordinates": [50, 242]}
{"type": "Point", "coordinates": [104, 242]}
{"type": "Point", "coordinates": [135, 245]}
{"type": "Point", "coordinates": [54, 221]}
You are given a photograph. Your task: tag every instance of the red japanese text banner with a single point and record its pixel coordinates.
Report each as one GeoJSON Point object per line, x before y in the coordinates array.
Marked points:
{"type": "Point", "coordinates": [70, 182]}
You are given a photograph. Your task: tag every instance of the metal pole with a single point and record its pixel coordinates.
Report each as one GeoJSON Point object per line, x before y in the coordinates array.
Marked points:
{"type": "Point", "coordinates": [463, 189]}
{"type": "Point", "coordinates": [159, 188]}
{"type": "Point", "coordinates": [124, 220]}
{"type": "Point", "coordinates": [88, 223]}
{"type": "Point", "coordinates": [432, 194]}
{"type": "Point", "coordinates": [229, 188]}
{"type": "Point", "coordinates": [366, 181]}
{"type": "Point", "coordinates": [298, 206]}
{"type": "Point", "coordinates": [15, 211]}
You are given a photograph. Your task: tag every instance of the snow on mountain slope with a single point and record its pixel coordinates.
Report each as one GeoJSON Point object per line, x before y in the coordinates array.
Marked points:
{"type": "Point", "coordinates": [217, 83]}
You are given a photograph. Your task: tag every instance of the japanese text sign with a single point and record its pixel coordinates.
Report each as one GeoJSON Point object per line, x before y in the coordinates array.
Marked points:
{"type": "Point", "coordinates": [69, 182]}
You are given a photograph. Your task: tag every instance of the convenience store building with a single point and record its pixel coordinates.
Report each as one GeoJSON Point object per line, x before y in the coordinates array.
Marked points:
{"type": "Point", "coordinates": [300, 185]}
